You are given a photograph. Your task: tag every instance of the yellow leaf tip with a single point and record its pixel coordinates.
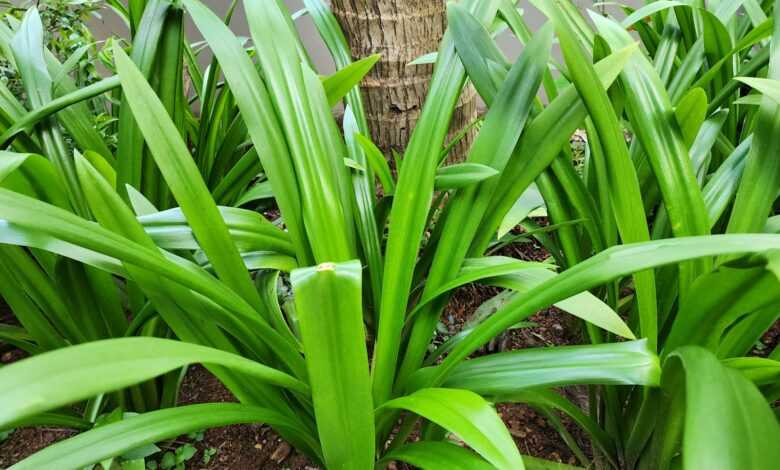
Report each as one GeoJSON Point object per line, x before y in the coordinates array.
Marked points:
{"type": "Point", "coordinates": [326, 267]}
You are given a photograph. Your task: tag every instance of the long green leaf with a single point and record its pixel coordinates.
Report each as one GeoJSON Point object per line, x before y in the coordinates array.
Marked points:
{"type": "Point", "coordinates": [429, 455]}
{"type": "Point", "coordinates": [723, 184]}
{"type": "Point", "coordinates": [28, 49]}
{"type": "Point", "coordinates": [742, 433]}
{"type": "Point", "coordinates": [409, 213]}
{"type": "Point", "coordinates": [629, 363]}
{"type": "Point", "coordinates": [249, 230]}
{"type": "Point", "coordinates": [470, 417]}
{"type": "Point", "coordinates": [600, 269]}
{"type": "Point", "coordinates": [298, 98]}
{"type": "Point", "coordinates": [175, 163]}
{"type": "Point", "coordinates": [38, 174]}
{"type": "Point", "coordinates": [115, 439]}
{"type": "Point", "coordinates": [626, 199]}
{"type": "Point", "coordinates": [130, 148]}
{"type": "Point", "coordinates": [650, 110]}
{"type": "Point", "coordinates": [766, 86]}
{"type": "Point", "coordinates": [253, 101]}
{"type": "Point", "coordinates": [26, 122]}
{"type": "Point", "coordinates": [492, 148]}
{"type": "Point", "coordinates": [761, 178]}
{"type": "Point", "coordinates": [378, 163]}
{"type": "Point", "coordinates": [30, 387]}
{"type": "Point", "coordinates": [462, 175]}
{"type": "Point", "coordinates": [340, 83]}
{"type": "Point", "coordinates": [328, 305]}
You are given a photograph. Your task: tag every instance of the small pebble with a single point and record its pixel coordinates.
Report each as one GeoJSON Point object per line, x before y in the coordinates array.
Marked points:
{"type": "Point", "coordinates": [518, 433]}
{"type": "Point", "coordinates": [281, 452]}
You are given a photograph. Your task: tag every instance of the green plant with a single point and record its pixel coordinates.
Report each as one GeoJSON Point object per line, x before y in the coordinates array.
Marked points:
{"type": "Point", "coordinates": [208, 454]}
{"type": "Point", "coordinates": [158, 217]}
{"type": "Point", "coordinates": [5, 434]}
{"type": "Point", "coordinates": [66, 35]}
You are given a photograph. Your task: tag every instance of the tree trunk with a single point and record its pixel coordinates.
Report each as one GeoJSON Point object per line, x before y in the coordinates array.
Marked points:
{"type": "Point", "coordinates": [393, 93]}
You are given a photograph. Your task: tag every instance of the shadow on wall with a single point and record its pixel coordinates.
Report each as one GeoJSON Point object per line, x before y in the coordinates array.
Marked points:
{"type": "Point", "coordinates": [111, 24]}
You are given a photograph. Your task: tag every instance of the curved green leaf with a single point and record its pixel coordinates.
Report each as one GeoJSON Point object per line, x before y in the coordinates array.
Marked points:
{"type": "Point", "coordinates": [584, 305]}
{"type": "Point", "coordinates": [477, 50]}
{"type": "Point", "coordinates": [648, 10]}
{"type": "Point", "coordinates": [470, 417]}
{"type": "Point", "coordinates": [690, 113]}
{"type": "Point", "coordinates": [475, 269]}
{"type": "Point", "coordinates": [378, 163]}
{"type": "Point", "coordinates": [604, 267]}
{"type": "Point", "coordinates": [115, 439]}
{"type": "Point", "coordinates": [340, 83]}
{"type": "Point", "coordinates": [766, 86]}
{"type": "Point", "coordinates": [252, 99]}
{"type": "Point", "coordinates": [31, 386]}
{"type": "Point", "coordinates": [761, 178]}
{"type": "Point", "coordinates": [650, 111]}
{"type": "Point", "coordinates": [743, 433]}
{"type": "Point", "coordinates": [461, 175]}
{"type": "Point", "coordinates": [409, 214]}
{"type": "Point", "coordinates": [627, 363]}
{"type": "Point", "coordinates": [759, 370]}
{"type": "Point", "coordinates": [722, 186]}
{"type": "Point", "coordinates": [249, 230]}
{"type": "Point", "coordinates": [530, 200]}
{"type": "Point", "coordinates": [429, 455]}
{"type": "Point", "coordinates": [182, 175]}
{"type": "Point", "coordinates": [33, 117]}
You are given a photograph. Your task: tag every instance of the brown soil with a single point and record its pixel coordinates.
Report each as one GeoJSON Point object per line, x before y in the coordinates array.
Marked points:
{"type": "Point", "coordinates": [768, 342]}
{"type": "Point", "coordinates": [534, 435]}
{"type": "Point", "coordinates": [24, 442]}
{"type": "Point", "coordinates": [525, 250]}
{"type": "Point", "coordinates": [551, 327]}
{"type": "Point", "coordinates": [244, 446]}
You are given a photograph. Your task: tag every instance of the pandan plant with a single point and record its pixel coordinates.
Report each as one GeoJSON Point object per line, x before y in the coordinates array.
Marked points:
{"type": "Point", "coordinates": [126, 266]}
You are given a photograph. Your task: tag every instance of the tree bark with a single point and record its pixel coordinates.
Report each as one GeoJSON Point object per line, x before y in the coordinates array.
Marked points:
{"type": "Point", "coordinates": [394, 92]}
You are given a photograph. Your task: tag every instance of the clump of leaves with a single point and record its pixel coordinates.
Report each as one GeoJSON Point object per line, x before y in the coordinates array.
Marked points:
{"type": "Point", "coordinates": [175, 460]}
{"type": "Point", "coordinates": [66, 35]}
{"type": "Point", "coordinates": [208, 454]}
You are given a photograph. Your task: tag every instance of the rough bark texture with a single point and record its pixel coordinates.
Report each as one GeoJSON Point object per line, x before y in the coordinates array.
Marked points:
{"type": "Point", "coordinates": [401, 31]}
